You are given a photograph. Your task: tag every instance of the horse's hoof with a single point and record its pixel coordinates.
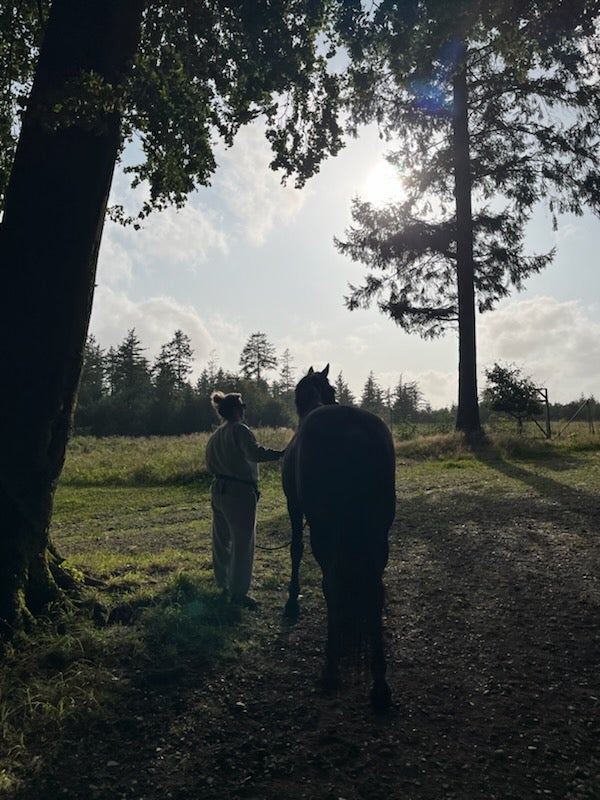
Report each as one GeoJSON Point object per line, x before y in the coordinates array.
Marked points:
{"type": "Point", "coordinates": [381, 697]}
{"type": "Point", "coordinates": [292, 610]}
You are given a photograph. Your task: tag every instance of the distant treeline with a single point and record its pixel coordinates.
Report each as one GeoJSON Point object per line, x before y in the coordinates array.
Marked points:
{"type": "Point", "coordinates": [123, 394]}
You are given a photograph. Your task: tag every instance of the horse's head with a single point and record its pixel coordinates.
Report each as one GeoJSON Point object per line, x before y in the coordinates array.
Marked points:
{"type": "Point", "coordinates": [314, 390]}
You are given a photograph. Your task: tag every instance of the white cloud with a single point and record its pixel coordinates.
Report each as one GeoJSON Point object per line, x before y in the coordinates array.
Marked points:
{"type": "Point", "coordinates": [252, 191]}
{"type": "Point", "coordinates": [229, 337]}
{"type": "Point", "coordinates": [185, 237]}
{"type": "Point", "coordinates": [356, 344]}
{"type": "Point", "coordinates": [373, 328]}
{"type": "Point", "coordinates": [115, 264]}
{"type": "Point", "coordinates": [309, 352]}
{"type": "Point", "coordinates": [556, 343]}
{"type": "Point", "coordinates": [439, 389]}
{"type": "Point", "coordinates": [154, 320]}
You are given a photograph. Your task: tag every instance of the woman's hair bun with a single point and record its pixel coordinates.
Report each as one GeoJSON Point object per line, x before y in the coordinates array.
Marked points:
{"type": "Point", "coordinates": [226, 404]}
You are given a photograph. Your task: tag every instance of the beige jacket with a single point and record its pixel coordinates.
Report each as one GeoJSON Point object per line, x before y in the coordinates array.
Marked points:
{"type": "Point", "coordinates": [232, 451]}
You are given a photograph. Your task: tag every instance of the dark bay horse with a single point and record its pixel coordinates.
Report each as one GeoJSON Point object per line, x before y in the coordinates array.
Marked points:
{"type": "Point", "coordinates": [339, 473]}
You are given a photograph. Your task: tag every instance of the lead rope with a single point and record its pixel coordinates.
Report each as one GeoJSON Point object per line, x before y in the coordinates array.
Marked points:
{"type": "Point", "coordinates": [277, 547]}
{"type": "Point", "coordinates": [280, 546]}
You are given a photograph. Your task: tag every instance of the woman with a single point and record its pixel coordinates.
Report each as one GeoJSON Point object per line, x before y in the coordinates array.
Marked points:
{"type": "Point", "coordinates": [232, 455]}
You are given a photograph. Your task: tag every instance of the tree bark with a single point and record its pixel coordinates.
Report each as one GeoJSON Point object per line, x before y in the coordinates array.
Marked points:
{"type": "Point", "coordinates": [467, 418]}
{"type": "Point", "coordinates": [49, 241]}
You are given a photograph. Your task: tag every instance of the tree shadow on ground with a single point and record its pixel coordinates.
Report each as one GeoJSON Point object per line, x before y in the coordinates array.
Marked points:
{"type": "Point", "coordinates": [495, 640]}
{"type": "Point", "coordinates": [145, 670]}
{"type": "Point", "coordinates": [579, 500]}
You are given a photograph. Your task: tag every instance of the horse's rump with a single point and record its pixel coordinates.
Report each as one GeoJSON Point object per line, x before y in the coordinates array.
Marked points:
{"type": "Point", "coordinates": [345, 470]}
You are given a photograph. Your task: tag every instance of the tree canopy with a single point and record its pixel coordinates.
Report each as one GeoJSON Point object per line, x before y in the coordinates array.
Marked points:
{"type": "Point", "coordinates": [493, 109]}
{"type": "Point", "coordinates": [257, 357]}
{"type": "Point", "coordinates": [510, 392]}
{"type": "Point", "coordinates": [201, 71]}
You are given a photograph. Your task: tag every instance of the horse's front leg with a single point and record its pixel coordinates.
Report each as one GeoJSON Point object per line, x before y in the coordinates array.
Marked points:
{"type": "Point", "coordinates": [292, 608]}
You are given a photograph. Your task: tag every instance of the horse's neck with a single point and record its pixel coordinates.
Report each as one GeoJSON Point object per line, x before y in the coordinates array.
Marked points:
{"type": "Point", "coordinates": [302, 414]}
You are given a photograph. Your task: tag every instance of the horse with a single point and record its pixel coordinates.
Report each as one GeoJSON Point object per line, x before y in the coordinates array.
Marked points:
{"type": "Point", "coordinates": [338, 473]}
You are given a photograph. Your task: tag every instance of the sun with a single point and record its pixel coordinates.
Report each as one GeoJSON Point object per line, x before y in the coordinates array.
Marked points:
{"type": "Point", "coordinates": [383, 185]}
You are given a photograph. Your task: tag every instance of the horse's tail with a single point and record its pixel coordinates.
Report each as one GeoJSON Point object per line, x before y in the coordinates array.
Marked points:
{"type": "Point", "coordinates": [358, 574]}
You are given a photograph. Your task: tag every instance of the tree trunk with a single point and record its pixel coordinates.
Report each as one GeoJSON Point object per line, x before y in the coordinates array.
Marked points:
{"type": "Point", "coordinates": [467, 418]}
{"type": "Point", "coordinates": [49, 241]}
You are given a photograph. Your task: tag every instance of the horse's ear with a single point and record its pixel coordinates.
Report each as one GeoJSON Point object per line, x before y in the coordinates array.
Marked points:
{"type": "Point", "coordinates": [310, 371]}
{"type": "Point", "coordinates": [325, 372]}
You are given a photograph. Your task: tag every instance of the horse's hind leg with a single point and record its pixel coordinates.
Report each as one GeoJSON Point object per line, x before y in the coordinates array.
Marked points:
{"type": "Point", "coordinates": [292, 608]}
{"type": "Point", "coordinates": [331, 679]}
{"type": "Point", "coordinates": [381, 697]}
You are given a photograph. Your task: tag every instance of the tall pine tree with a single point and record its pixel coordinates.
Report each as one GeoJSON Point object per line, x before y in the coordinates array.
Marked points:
{"type": "Point", "coordinates": [257, 357]}
{"type": "Point", "coordinates": [494, 109]}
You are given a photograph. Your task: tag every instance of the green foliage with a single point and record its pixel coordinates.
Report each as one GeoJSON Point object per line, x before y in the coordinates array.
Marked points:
{"type": "Point", "coordinates": [91, 383]}
{"type": "Point", "coordinates": [493, 109]}
{"type": "Point", "coordinates": [121, 394]}
{"type": "Point", "coordinates": [411, 257]}
{"type": "Point", "coordinates": [21, 29]}
{"type": "Point", "coordinates": [174, 363]}
{"type": "Point", "coordinates": [201, 72]}
{"type": "Point", "coordinates": [343, 393]}
{"type": "Point", "coordinates": [407, 400]}
{"type": "Point", "coordinates": [512, 393]}
{"type": "Point", "coordinates": [166, 407]}
{"type": "Point", "coordinates": [372, 398]}
{"type": "Point", "coordinates": [532, 101]}
{"type": "Point", "coordinates": [285, 386]}
{"type": "Point", "coordinates": [257, 357]}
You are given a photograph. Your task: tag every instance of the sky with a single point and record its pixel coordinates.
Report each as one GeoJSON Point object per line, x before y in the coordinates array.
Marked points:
{"type": "Point", "coordinates": [249, 254]}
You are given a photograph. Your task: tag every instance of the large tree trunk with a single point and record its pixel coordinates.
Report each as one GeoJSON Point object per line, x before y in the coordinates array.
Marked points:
{"type": "Point", "coordinates": [467, 418]}
{"type": "Point", "coordinates": [49, 241]}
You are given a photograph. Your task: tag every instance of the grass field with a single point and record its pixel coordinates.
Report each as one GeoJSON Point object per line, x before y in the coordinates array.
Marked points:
{"type": "Point", "coordinates": [134, 515]}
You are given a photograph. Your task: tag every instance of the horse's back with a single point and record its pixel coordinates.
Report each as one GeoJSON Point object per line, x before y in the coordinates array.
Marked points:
{"type": "Point", "coordinates": [345, 468]}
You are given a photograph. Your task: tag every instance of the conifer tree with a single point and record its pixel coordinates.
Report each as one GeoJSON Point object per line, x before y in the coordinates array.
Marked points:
{"type": "Point", "coordinates": [130, 383]}
{"type": "Point", "coordinates": [343, 394]}
{"type": "Point", "coordinates": [493, 109]}
{"type": "Point", "coordinates": [286, 375]}
{"type": "Point", "coordinates": [174, 363]}
{"type": "Point", "coordinates": [257, 357]}
{"type": "Point", "coordinates": [406, 400]}
{"type": "Point", "coordinates": [372, 397]}
{"type": "Point", "coordinates": [92, 386]}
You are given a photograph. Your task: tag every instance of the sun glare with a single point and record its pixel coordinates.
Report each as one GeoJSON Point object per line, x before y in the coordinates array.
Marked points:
{"type": "Point", "coordinates": [383, 185]}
